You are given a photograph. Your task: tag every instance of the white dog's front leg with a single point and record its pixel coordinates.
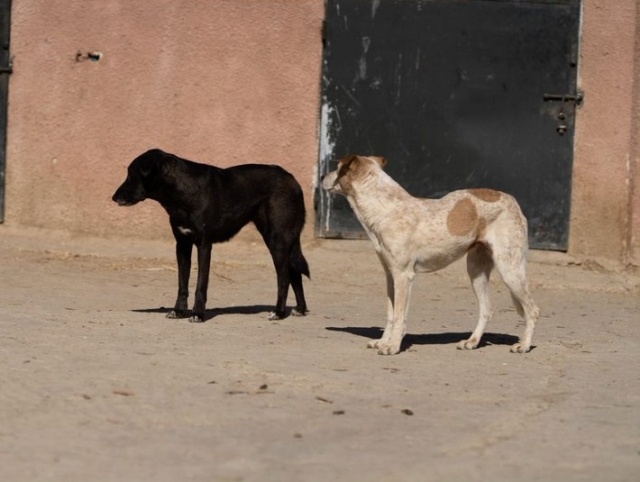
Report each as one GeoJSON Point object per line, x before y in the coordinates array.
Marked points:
{"type": "Point", "coordinates": [390, 296]}
{"type": "Point", "coordinates": [397, 328]}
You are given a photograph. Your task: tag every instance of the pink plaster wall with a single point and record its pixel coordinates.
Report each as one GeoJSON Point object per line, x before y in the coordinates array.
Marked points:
{"type": "Point", "coordinates": [634, 165]}
{"type": "Point", "coordinates": [232, 81]}
{"type": "Point", "coordinates": [605, 133]}
{"type": "Point", "coordinates": [221, 81]}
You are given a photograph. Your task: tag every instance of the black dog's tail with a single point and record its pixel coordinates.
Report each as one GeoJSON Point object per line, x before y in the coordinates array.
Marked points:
{"type": "Point", "coordinates": [297, 262]}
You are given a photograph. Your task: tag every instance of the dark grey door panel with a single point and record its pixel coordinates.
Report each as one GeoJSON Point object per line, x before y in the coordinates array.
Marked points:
{"type": "Point", "coordinates": [455, 94]}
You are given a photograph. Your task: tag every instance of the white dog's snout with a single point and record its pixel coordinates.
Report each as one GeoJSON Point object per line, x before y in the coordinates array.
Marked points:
{"type": "Point", "coordinates": [329, 180]}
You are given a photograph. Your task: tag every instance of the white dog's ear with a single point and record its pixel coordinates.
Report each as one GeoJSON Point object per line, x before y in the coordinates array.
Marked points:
{"type": "Point", "coordinates": [344, 163]}
{"type": "Point", "coordinates": [380, 160]}
{"type": "Point", "coordinates": [346, 160]}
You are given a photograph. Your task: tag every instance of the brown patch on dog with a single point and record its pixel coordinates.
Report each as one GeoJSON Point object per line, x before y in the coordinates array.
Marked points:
{"type": "Point", "coordinates": [463, 218]}
{"type": "Point", "coordinates": [348, 171]}
{"type": "Point", "coordinates": [487, 195]}
{"type": "Point", "coordinates": [344, 163]}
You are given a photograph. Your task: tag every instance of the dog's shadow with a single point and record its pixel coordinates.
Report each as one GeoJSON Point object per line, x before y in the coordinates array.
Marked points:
{"type": "Point", "coordinates": [374, 333]}
{"type": "Point", "coordinates": [213, 312]}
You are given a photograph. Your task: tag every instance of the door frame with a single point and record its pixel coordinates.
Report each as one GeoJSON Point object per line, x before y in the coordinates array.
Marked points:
{"type": "Point", "coordinates": [5, 71]}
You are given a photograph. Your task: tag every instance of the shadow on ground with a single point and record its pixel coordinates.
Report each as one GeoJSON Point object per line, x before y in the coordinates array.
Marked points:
{"type": "Point", "coordinates": [212, 313]}
{"type": "Point", "coordinates": [374, 332]}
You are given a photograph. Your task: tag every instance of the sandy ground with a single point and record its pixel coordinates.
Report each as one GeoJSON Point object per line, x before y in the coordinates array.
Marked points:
{"type": "Point", "coordinates": [96, 384]}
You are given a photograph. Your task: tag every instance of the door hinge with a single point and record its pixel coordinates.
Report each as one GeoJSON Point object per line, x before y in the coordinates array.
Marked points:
{"type": "Point", "coordinates": [576, 98]}
{"type": "Point", "coordinates": [8, 69]}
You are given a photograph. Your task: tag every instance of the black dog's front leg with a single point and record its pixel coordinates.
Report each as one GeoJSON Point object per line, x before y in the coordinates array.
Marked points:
{"type": "Point", "coordinates": [184, 248]}
{"type": "Point", "coordinates": [204, 263]}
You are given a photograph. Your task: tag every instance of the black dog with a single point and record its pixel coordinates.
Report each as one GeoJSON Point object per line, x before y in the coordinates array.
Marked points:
{"type": "Point", "coordinates": [209, 205]}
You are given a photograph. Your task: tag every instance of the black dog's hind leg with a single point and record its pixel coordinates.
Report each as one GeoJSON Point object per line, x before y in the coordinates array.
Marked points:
{"type": "Point", "coordinates": [184, 248]}
{"type": "Point", "coordinates": [298, 290]}
{"type": "Point", "coordinates": [297, 267]}
{"type": "Point", "coordinates": [281, 263]}
{"type": "Point", "coordinates": [204, 263]}
{"type": "Point", "coordinates": [287, 257]}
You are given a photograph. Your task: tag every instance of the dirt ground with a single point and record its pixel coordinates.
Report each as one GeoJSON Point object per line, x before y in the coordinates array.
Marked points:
{"type": "Point", "coordinates": [96, 384]}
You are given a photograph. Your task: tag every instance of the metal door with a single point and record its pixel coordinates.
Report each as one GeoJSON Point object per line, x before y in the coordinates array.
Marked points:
{"type": "Point", "coordinates": [455, 94]}
{"type": "Point", "coordinates": [5, 70]}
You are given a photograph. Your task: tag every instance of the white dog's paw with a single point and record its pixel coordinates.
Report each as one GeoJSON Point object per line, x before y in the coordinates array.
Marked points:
{"type": "Point", "coordinates": [373, 344]}
{"type": "Point", "coordinates": [470, 344]}
{"type": "Point", "coordinates": [386, 348]}
{"type": "Point", "coordinates": [520, 348]}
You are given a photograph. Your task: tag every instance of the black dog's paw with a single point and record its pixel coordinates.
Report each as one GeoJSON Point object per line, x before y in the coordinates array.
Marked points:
{"type": "Point", "coordinates": [299, 312]}
{"type": "Point", "coordinates": [275, 316]}
{"type": "Point", "coordinates": [196, 319]}
{"type": "Point", "coordinates": [176, 314]}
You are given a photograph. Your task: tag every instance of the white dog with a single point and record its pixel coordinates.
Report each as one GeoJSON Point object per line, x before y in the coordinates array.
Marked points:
{"type": "Point", "coordinates": [412, 234]}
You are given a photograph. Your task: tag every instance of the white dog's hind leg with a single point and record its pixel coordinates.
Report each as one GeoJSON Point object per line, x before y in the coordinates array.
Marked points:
{"type": "Point", "coordinates": [479, 266]}
{"type": "Point", "coordinates": [396, 331]}
{"type": "Point", "coordinates": [514, 276]}
{"type": "Point", "coordinates": [390, 297]}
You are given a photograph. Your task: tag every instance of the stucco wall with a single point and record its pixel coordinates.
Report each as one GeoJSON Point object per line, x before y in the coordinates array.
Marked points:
{"type": "Point", "coordinates": [634, 164]}
{"type": "Point", "coordinates": [230, 81]}
{"type": "Point", "coordinates": [222, 81]}
{"type": "Point", "coordinates": [602, 177]}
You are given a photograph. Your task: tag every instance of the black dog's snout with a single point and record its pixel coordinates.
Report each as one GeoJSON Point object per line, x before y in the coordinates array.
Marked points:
{"type": "Point", "coordinates": [124, 196]}
{"type": "Point", "coordinates": [117, 196]}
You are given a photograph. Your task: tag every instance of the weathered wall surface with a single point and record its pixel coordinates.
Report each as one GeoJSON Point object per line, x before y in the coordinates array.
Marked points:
{"type": "Point", "coordinates": [634, 163]}
{"type": "Point", "coordinates": [223, 82]}
{"type": "Point", "coordinates": [603, 181]}
{"type": "Point", "coordinates": [229, 81]}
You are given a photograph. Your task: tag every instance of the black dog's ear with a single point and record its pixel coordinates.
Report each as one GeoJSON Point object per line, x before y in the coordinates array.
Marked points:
{"type": "Point", "coordinates": [148, 163]}
{"type": "Point", "coordinates": [146, 168]}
